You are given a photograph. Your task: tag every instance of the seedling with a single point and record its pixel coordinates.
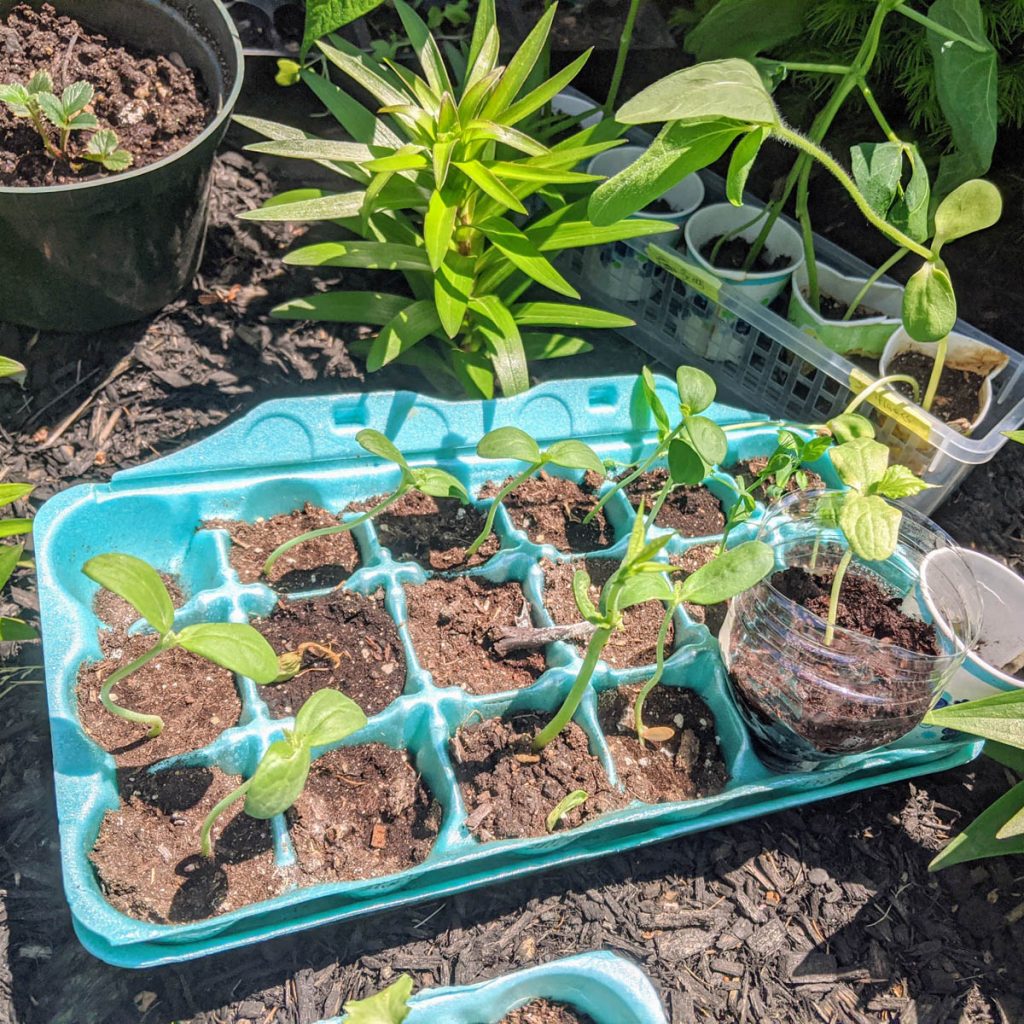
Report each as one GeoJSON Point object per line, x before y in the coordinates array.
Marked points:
{"type": "Point", "coordinates": [280, 777]}
{"type": "Point", "coordinates": [426, 479]}
{"type": "Point", "coordinates": [103, 149]}
{"type": "Point", "coordinates": [515, 444]}
{"type": "Point", "coordinates": [236, 646]}
{"type": "Point", "coordinates": [388, 1006]}
{"type": "Point", "coordinates": [577, 798]}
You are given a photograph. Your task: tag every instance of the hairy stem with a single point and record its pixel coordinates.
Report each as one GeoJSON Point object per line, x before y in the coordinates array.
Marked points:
{"type": "Point", "coordinates": [155, 722]}
{"type": "Point", "coordinates": [498, 499]}
{"type": "Point", "coordinates": [620, 58]}
{"type": "Point", "coordinates": [803, 215]}
{"type": "Point", "coordinates": [659, 669]}
{"type": "Point", "coordinates": [833, 600]}
{"type": "Point", "coordinates": [204, 836]}
{"type": "Point", "coordinates": [936, 374]}
{"type": "Point", "coordinates": [873, 280]}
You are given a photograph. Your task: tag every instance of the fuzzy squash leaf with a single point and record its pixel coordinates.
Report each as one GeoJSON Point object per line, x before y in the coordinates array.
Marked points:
{"type": "Point", "coordinates": [236, 646]}
{"type": "Point", "coordinates": [328, 717]}
{"type": "Point", "coordinates": [138, 583]}
{"type": "Point", "coordinates": [929, 303]}
{"type": "Point", "coordinates": [728, 574]}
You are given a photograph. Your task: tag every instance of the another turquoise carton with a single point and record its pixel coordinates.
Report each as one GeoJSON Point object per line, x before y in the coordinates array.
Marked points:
{"type": "Point", "coordinates": [291, 451]}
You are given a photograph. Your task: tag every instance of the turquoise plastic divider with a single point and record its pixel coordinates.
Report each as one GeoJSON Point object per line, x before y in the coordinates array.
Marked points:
{"type": "Point", "coordinates": [608, 988]}
{"type": "Point", "coordinates": [291, 451]}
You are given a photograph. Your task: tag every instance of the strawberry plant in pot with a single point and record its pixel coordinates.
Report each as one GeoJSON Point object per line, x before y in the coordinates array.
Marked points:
{"type": "Point", "coordinates": [107, 138]}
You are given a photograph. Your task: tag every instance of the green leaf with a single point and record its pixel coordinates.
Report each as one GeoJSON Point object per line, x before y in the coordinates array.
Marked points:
{"type": "Point", "coordinates": [929, 303]}
{"type": "Point", "coordinates": [909, 211]}
{"type": "Point", "coordinates": [408, 327]}
{"type": "Point", "coordinates": [357, 121]}
{"type": "Point", "coordinates": [328, 717]}
{"type": "Point", "coordinates": [344, 307]}
{"type": "Point", "coordinates": [581, 594]}
{"type": "Point", "coordinates": [685, 466]}
{"type": "Point", "coordinates": [570, 227]}
{"type": "Point", "coordinates": [442, 157]}
{"type": "Point", "coordinates": [12, 368]}
{"type": "Point", "coordinates": [720, 89]}
{"type": "Point", "coordinates": [480, 128]}
{"type": "Point", "coordinates": [553, 346]}
{"type": "Point", "coordinates": [850, 425]}
{"type": "Point", "coordinates": [563, 314]}
{"type": "Point", "coordinates": [10, 555]}
{"type": "Point", "coordinates": [453, 288]}
{"type": "Point", "coordinates": [1010, 757]}
{"type": "Point", "coordinates": [438, 228]}
{"type": "Point", "coordinates": [898, 482]}
{"type": "Point", "coordinates": [545, 92]}
{"type": "Point", "coordinates": [16, 630]}
{"type": "Point", "coordinates": [696, 389]}
{"type": "Point", "coordinates": [494, 187]}
{"type": "Point", "coordinates": [1015, 435]}
{"type": "Point", "coordinates": [509, 443]}
{"type": "Point", "coordinates": [741, 163]}
{"type": "Point", "coordinates": [877, 169]}
{"type": "Point", "coordinates": [999, 718]}
{"type": "Point", "coordinates": [540, 169]}
{"type": "Point", "coordinates": [39, 83]}
{"type": "Point", "coordinates": [328, 206]}
{"type": "Point", "coordinates": [649, 390]}
{"type": "Point", "coordinates": [521, 251]}
{"type": "Point", "coordinates": [575, 799]}
{"type": "Point", "coordinates": [972, 206]}
{"type": "Point", "coordinates": [389, 1006]}
{"type": "Point", "coordinates": [504, 344]}
{"type": "Point", "coordinates": [520, 66]}
{"type": "Point", "coordinates": [363, 70]}
{"type": "Point", "coordinates": [14, 492]}
{"type": "Point", "coordinates": [15, 527]}
{"type": "Point", "coordinates": [426, 49]}
{"type": "Point", "coordinates": [739, 28]}
{"type": "Point", "coordinates": [236, 646]}
{"type": "Point", "coordinates": [439, 484]}
{"type": "Point", "coordinates": [371, 255]}
{"type": "Point", "coordinates": [138, 583]}
{"type": "Point", "coordinates": [860, 462]}
{"type": "Point", "coordinates": [979, 840]}
{"type": "Point", "coordinates": [279, 779]}
{"type": "Point", "coordinates": [644, 587]}
{"type": "Point", "coordinates": [326, 16]}
{"type": "Point", "coordinates": [574, 455]}
{"type": "Point", "coordinates": [377, 444]}
{"type": "Point", "coordinates": [314, 149]}
{"type": "Point", "coordinates": [729, 573]}
{"type": "Point", "coordinates": [51, 107]}
{"type": "Point", "coordinates": [871, 525]}
{"type": "Point", "coordinates": [484, 26]}
{"type": "Point", "coordinates": [77, 96]}
{"type": "Point", "coordinates": [474, 372]}
{"type": "Point", "coordinates": [708, 438]}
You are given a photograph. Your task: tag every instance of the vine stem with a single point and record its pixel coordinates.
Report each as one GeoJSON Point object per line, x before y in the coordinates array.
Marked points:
{"type": "Point", "coordinates": [942, 30]}
{"type": "Point", "coordinates": [620, 58]}
{"type": "Point", "coordinates": [833, 599]}
{"type": "Point", "coordinates": [498, 499]}
{"type": "Point", "coordinates": [878, 274]}
{"type": "Point", "coordinates": [155, 722]}
{"type": "Point", "coordinates": [218, 809]}
{"type": "Point", "coordinates": [936, 374]}
{"type": "Point", "coordinates": [659, 669]}
{"type": "Point", "coordinates": [579, 687]}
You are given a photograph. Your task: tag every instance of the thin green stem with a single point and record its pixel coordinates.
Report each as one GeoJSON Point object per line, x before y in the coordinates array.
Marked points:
{"type": "Point", "coordinates": [877, 385]}
{"type": "Point", "coordinates": [505, 491]}
{"type": "Point", "coordinates": [873, 280]}
{"type": "Point", "coordinates": [155, 722]}
{"type": "Point", "coordinates": [659, 669]}
{"type": "Point", "coordinates": [833, 599]}
{"type": "Point", "coordinates": [814, 69]}
{"type": "Point", "coordinates": [327, 531]}
{"type": "Point", "coordinates": [942, 30]}
{"type": "Point", "coordinates": [936, 374]}
{"type": "Point", "coordinates": [47, 145]}
{"type": "Point", "coordinates": [572, 701]}
{"type": "Point", "coordinates": [869, 99]}
{"type": "Point", "coordinates": [814, 551]}
{"type": "Point", "coordinates": [728, 236]}
{"type": "Point", "coordinates": [620, 58]}
{"type": "Point", "coordinates": [218, 809]}
{"type": "Point", "coordinates": [665, 491]}
{"type": "Point", "coordinates": [803, 215]}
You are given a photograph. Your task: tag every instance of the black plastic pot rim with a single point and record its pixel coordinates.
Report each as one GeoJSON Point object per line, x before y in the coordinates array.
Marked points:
{"type": "Point", "coordinates": [226, 106]}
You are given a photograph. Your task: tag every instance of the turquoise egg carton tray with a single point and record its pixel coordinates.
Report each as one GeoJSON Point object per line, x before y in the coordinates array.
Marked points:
{"type": "Point", "coordinates": [608, 988]}
{"type": "Point", "coordinates": [292, 451]}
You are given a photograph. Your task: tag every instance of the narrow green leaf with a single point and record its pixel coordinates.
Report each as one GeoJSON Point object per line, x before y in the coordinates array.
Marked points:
{"type": "Point", "coordinates": [581, 594]}
{"type": "Point", "coordinates": [741, 163]}
{"type": "Point", "coordinates": [999, 718]}
{"type": "Point", "coordinates": [138, 583]}
{"type": "Point", "coordinates": [406, 328]}
{"type": "Point", "coordinates": [10, 555]}
{"type": "Point", "coordinates": [361, 69]}
{"type": "Point", "coordinates": [314, 149]}
{"type": "Point", "coordinates": [357, 121]}
{"type": "Point", "coordinates": [372, 255]}
{"type": "Point", "coordinates": [328, 717]}
{"type": "Point", "coordinates": [16, 630]}
{"type": "Point", "coordinates": [538, 169]}
{"type": "Point", "coordinates": [553, 346]}
{"type": "Point", "coordinates": [344, 307]}
{"type": "Point", "coordinates": [328, 206]}
{"type": "Point", "coordinates": [453, 288]}
{"type": "Point", "coordinates": [484, 27]}
{"type": "Point", "coordinates": [14, 492]}
{"type": "Point", "coordinates": [545, 92]}
{"type": "Point", "coordinates": [408, 158]}
{"type": "Point", "coordinates": [481, 176]}
{"type": "Point", "coordinates": [521, 251]}
{"type": "Point", "coordinates": [438, 228]}
{"type": "Point", "coordinates": [481, 128]}
{"type": "Point", "coordinates": [575, 799]}
{"type": "Point", "coordinates": [978, 840]}
{"type": "Point", "coordinates": [728, 574]}
{"type": "Point", "coordinates": [570, 227]}
{"type": "Point", "coordinates": [236, 646]}
{"type": "Point", "coordinates": [649, 390]}
{"type": "Point", "coordinates": [504, 343]}
{"type": "Point", "coordinates": [426, 49]}
{"type": "Point", "coordinates": [519, 67]}
{"type": "Point", "coordinates": [15, 527]}
{"type": "Point", "coordinates": [474, 372]}
{"type": "Point", "coordinates": [564, 314]}
{"type": "Point", "coordinates": [509, 443]}
{"type": "Point", "coordinates": [12, 368]}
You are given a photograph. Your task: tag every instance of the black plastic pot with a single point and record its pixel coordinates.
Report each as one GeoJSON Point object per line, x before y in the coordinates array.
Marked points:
{"type": "Point", "coordinates": [83, 257]}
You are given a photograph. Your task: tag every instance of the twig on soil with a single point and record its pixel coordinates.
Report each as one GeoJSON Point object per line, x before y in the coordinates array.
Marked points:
{"type": "Point", "coordinates": [68, 421]}
{"type": "Point", "coordinates": [510, 639]}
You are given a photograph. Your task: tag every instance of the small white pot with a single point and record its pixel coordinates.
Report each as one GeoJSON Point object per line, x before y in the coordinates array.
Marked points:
{"type": "Point", "coordinates": [572, 106]}
{"type": "Point", "coordinates": [1001, 642]}
{"type": "Point", "coordinates": [618, 270]}
{"type": "Point", "coordinates": [962, 353]}
{"type": "Point", "coordinates": [863, 337]}
{"type": "Point", "coordinates": [723, 218]}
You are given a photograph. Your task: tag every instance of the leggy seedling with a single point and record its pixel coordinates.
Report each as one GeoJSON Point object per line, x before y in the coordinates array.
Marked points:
{"type": "Point", "coordinates": [280, 777]}
{"type": "Point", "coordinates": [426, 479]}
{"type": "Point", "coordinates": [236, 646]}
{"type": "Point", "coordinates": [513, 443]}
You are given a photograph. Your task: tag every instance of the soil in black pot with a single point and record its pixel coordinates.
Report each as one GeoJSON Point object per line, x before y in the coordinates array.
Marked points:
{"type": "Point", "coordinates": [832, 308]}
{"type": "Point", "coordinates": [957, 401]}
{"type": "Point", "coordinates": [680, 760]}
{"type": "Point", "coordinates": [154, 103]}
{"type": "Point", "coordinates": [147, 856]}
{"type": "Point", "coordinates": [432, 531]}
{"type": "Point", "coordinates": [690, 511]}
{"type": "Point", "coordinates": [749, 468]}
{"type": "Point", "coordinates": [712, 615]}
{"type": "Point", "coordinates": [364, 813]}
{"type": "Point", "coordinates": [365, 660]}
{"type": "Point", "coordinates": [733, 256]}
{"type": "Point", "coordinates": [636, 643]}
{"type": "Point", "coordinates": [454, 623]}
{"type": "Point", "coordinates": [509, 790]}
{"type": "Point", "coordinates": [313, 564]}
{"type": "Point", "coordinates": [551, 510]}
{"type": "Point", "coordinates": [543, 1011]}
{"type": "Point", "coordinates": [196, 699]}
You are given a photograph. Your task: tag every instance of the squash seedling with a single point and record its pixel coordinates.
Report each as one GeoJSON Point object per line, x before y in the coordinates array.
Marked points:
{"type": "Point", "coordinates": [280, 777]}
{"type": "Point", "coordinates": [577, 798]}
{"type": "Point", "coordinates": [388, 1006]}
{"type": "Point", "coordinates": [425, 479]}
{"type": "Point", "coordinates": [515, 444]}
{"type": "Point", "coordinates": [236, 646]}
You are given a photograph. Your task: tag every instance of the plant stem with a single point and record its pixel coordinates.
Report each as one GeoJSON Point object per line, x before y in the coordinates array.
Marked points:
{"type": "Point", "coordinates": [873, 280]}
{"type": "Point", "coordinates": [659, 669]}
{"type": "Point", "coordinates": [620, 58]}
{"type": "Point", "coordinates": [869, 99]}
{"type": "Point", "coordinates": [833, 600]}
{"type": "Point", "coordinates": [936, 374]}
{"type": "Point", "coordinates": [814, 69]}
{"type": "Point", "coordinates": [155, 722]}
{"type": "Point", "coordinates": [728, 236]}
{"type": "Point", "coordinates": [498, 499]}
{"type": "Point", "coordinates": [569, 706]}
{"type": "Point", "coordinates": [803, 215]}
{"type": "Point", "coordinates": [946, 33]}
{"type": "Point", "coordinates": [875, 385]}
{"type": "Point", "coordinates": [47, 145]}
{"type": "Point", "coordinates": [665, 491]}
{"type": "Point", "coordinates": [204, 836]}
{"type": "Point", "coordinates": [329, 530]}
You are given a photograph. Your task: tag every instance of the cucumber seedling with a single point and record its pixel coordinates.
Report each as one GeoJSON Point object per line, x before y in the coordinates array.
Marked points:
{"type": "Point", "coordinates": [425, 479]}
{"type": "Point", "coordinates": [280, 777]}
{"type": "Point", "coordinates": [236, 646]}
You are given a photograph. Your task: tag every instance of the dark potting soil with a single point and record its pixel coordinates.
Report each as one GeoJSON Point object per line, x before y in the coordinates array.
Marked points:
{"type": "Point", "coordinates": [364, 813]}
{"type": "Point", "coordinates": [366, 660]}
{"type": "Point", "coordinates": [550, 510]}
{"type": "Point", "coordinates": [432, 531]}
{"type": "Point", "coordinates": [835, 309]}
{"type": "Point", "coordinates": [690, 511]}
{"type": "Point", "coordinates": [713, 615]}
{"type": "Point", "coordinates": [733, 255]}
{"type": "Point", "coordinates": [154, 103]}
{"type": "Point", "coordinates": [956, 402]}
{"type": "Point", "coordinates": [543, 1011]}
{"type": "Point", "coordinates": [313, 564]}
{"type": "Point", "coordinates": [749, 468]}
{"type": "Point", "coordinates": [866, 605]}
{"type": "Point", "coordinates": [684, 763]}
{"type": "Point", "coordinates": [509, 790]}
{"type": "Point", "coordinates": [454, 623]}
{"type": "Point", "coordinates": [196, 699]}
{"type": "Point", "coordinates": [636, 643]}
{"type": "Point", "coordinates": [147, 856]}
{"type": "Point", "coordinates": [116, 612]}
